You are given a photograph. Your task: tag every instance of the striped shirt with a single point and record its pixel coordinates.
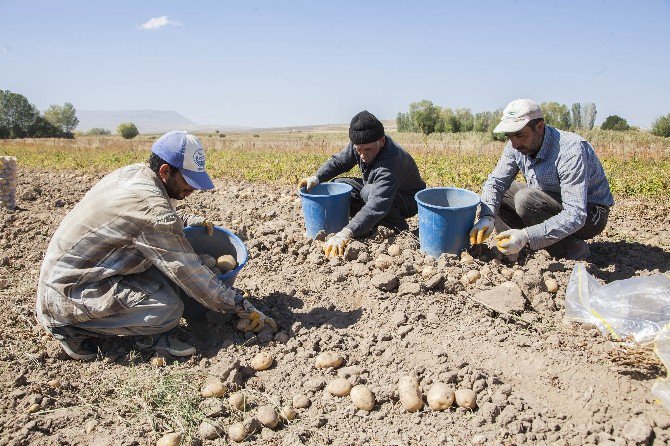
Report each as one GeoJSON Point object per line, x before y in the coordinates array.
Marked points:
{"type": "Point", "coordinates": [123, 226]}
{"type": "Point", "coordinates": [565, 164]}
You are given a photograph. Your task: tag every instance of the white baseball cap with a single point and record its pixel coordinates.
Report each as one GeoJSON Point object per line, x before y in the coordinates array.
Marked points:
{"type": "Point", "coordinates": [517, 114]}
{"type": "Point", "coordinates": [184, 151]}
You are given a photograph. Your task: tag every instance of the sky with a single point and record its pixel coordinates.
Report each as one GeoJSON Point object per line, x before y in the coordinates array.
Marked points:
{"type": "Point", "coordinates": [278, 63]}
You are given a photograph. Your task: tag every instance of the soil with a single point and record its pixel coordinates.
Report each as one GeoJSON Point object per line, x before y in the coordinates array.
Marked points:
{"type": "Point", "coordinates": [537, 380]}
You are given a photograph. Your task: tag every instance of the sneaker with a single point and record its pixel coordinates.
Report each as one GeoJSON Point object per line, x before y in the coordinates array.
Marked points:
{"type": "Point", "coordinates": [578, 250]}
{"type": "Point", "coordinates": [165, 342]}
{"type": "Point", "coordinates": [79, 348]}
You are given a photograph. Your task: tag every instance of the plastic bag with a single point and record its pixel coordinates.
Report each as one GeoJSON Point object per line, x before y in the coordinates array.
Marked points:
{"type": "Point", "coordinates": [638, 307]}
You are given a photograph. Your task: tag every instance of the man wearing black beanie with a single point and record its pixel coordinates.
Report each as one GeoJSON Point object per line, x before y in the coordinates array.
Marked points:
{"type": "Point", "coordinates": [385, 193]}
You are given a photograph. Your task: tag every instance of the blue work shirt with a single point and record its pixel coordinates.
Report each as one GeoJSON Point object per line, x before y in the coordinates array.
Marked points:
{"type": "Point", "coordinates": [565, 164]}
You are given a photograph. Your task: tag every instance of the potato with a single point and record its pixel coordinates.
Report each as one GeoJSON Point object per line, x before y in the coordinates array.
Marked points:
{"type": "Point", "coordinates": [262, 361]}
{"type": "Point", "coordinates": [362, 397]}
{"type": "Point", "coordinates": [226, 263]}
{"type": "Point", "coordinates": [428, 271]}
{"type": "Point", "coordinates": [267, 416]}
{"type": "Point", "coordinates": [213, 388]}
{"type": "Point", "coordinates": [209, 431]}
{"type": "Point", "coordinates": [339, 387]}
{"type": "Point", "coordinates": [54, 383]}
{"type": "Point", "coordinates": [466, 398]}
{"type": "Point", "coordinates": [328, 359]}
{"type": "Point", "coordinates": [237, 432]}
{"type": "Point", "coordinates": [410, 396]}
{"type": "Point", "coordinates": [552, 285]}
{"type": "Point", "coordinates": [471, 277]}
{"type": "Point", "coordinates": [171, 439]}
{"type": "Point", "coordinates": [440, 396]}
{"type": "Point", "coordinates": [383, 262]}
{"type": "Point", "coordinates": [466, 258]}
{"type": "Point", "coordinates": [301, 401]}
{"type": "Point", "coordinates": [288, 413]}
{"type": "Point", "coordinates": [237, 401]}
{"type": "Point", "coordinates": [394, 250]}
{"type": "Point", "coordinates": [158, 361]}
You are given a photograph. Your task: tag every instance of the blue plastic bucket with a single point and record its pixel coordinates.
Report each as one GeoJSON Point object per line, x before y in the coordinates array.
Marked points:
{"type": "Point", "coordinates": [326, 207]}
{"type": "Point", "coordinates": [446, 216]}
{"type": "Point", "coordinates": [221, 242]}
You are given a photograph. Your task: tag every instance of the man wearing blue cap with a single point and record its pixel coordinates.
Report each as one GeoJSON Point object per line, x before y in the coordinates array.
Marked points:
{"type": "Point", "coordinates": [118, 258]}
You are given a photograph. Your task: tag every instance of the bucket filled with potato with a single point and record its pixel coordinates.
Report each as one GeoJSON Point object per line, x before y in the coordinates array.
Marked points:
{"type": "Point", "coordinates": [223, 252]}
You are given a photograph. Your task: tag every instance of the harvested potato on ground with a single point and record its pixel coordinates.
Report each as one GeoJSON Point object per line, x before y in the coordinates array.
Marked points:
{"type": "Point", "coordinates": [466, 398]}
{"type": "Point", "coordinates": [552, 285]}
{"type": "Point", "coordinates": [209, 431]}
{"type": "Point", "coordinates": [471, 277]}
{"type": "Point", "coordinates": [339, 387]}
{"type": "Point", "coordinates": [267, 416]}
{"type": "Point", "coordinates": [237, 401]}
{"type": "Point", "coordinates": [288, 413]}
{"type": "Point", "coordinates": [440, 396]}
{"type": "Point", "coordinates": [301, 401]}
{"type": "Point", "coordinates": [239, 431]}
{"type": "Point", "coordinates": [213, 388]}
{"type": "Point", "coordinates": [171, 439]}
{"type": "Point", "coordinates": [362, 397]}
{"type": "Point", "coordinates": [262, 361]}
{"type": "Point", "coordinates": [226, 263]}
{"type": "Point", "coordinates": [410, 395]}
{"type": "Point", "coordinates": [328, 359]}
{"type": "Point", "coordinates": [383, 262]}
{"type": "Point", "coordinates": [394, 250]}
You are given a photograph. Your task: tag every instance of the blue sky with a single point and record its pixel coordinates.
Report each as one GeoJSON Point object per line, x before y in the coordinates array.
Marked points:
{"type": "Point", "coordinates": [280, 63]}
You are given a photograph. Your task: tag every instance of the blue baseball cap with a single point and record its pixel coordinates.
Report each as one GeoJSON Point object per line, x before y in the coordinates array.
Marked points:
{"type": "Point", "coordinates": [185, 152]}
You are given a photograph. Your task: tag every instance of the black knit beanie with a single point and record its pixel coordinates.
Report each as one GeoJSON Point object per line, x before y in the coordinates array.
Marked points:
{"type": "Point", "coordinates": [365, 128]}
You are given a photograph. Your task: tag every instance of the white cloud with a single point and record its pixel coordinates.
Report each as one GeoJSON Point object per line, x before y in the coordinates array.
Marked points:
{"type": "Point", "coordinates": [159, 22]}
{"type": "Point", "coordinates": [4, 49]}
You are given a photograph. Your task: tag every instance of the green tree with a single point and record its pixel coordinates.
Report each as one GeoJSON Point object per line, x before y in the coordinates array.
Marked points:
{"type": "Point", "coordinates": [589, 115]}
{"type": "Point", "coordinates": [576, 116]}
{"type": "Point", "coordinates": [424, 116]}
{"type": "Point", "coordinates": [483, 122]}
{"type": "Point", "coordinates": [661, 126]}
{"type": "Point", "coordinates": [615, 122]}
{"type": "Point", "coordinates": [556, 115]}
{"type": "Point", "coordinates": [496, 116]}
{"type": "Point", "coordinates": [17, 115]}
{"type": "Point", "coordinates": [465, 119]}
{"type": "Point", "coordinates": [63, 117]}
{"type": "Point", "coordinates": [127, 130]}
{"type": "Point", "coordinates": [448, 122]}
{"type": "Point", "coordinates": [98, 132]}
{"type": "Point", "coordinates": [404, 123]}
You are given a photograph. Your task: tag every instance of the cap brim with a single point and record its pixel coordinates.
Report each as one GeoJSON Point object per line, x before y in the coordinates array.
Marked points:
{"type": "Point", "coordinates": [510, 126]}
{"type": "Point", "coordinates": [197, 180]}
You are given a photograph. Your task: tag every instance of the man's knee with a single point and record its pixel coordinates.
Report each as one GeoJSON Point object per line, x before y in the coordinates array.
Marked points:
{"type": "Point", "coordinates": [528, 201]}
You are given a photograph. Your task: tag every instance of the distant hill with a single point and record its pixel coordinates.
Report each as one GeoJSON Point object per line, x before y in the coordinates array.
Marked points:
{"type": "Point", "coordinates": [147, 121]}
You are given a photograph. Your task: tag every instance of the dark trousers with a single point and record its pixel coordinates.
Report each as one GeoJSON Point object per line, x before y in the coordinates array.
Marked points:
{"type": "Point", "coordinates": [523, 206]}
{"type": "Point", "coordinates": [403, 207]}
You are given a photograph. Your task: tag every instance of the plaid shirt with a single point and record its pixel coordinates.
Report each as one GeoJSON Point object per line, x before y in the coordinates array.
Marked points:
{"type": "Point", "coordinates": [123, 226]}
{"type": "Point", "coordinates": [565, 164]}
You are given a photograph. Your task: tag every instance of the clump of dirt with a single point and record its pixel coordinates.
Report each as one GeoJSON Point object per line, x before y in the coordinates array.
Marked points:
{"type": "Point", "coordinates": [385, 309]}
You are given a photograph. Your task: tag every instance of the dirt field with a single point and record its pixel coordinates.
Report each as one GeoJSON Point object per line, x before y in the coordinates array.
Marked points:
{"type": "Point", "coordinates": [537, 380]}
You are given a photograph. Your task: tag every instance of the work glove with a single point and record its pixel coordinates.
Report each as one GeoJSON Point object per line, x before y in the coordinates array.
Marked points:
{"type": "Point", "coordinates": [336, 245]}
{"type": "Point", "coordinates": [196, 220]}
{"type": "Point", "coordinates": [308, 183]}
{"type": "Point", "coordinates": [512, 241]}
{"type": "Point", "coordinates": [481, 230]}
{"type": "Point", "coordinates": [257, 320]}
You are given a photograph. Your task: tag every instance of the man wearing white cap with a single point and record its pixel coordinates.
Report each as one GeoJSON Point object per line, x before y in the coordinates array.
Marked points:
{"type": "Point", "coordinates": [116, 262]}
{"type": "Point", "coordinates": [565, 200]}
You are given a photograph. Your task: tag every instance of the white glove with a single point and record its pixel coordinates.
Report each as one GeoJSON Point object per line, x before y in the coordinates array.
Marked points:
{"type": "Point", "coordinates": [481, 230]}
{"type": "Point", "coordinates": [336, 245]}
{"type": "Point", "coordinates": [255, 319]}
{"type": "Point", "coordinates": [196, 220]}
{"type": "Point", "coordinates": [512, 241]}
{"type": "Point", "coordinates": [308, 183]}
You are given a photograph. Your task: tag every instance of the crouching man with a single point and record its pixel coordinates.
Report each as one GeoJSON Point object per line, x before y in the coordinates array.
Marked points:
{"type": "Point", "coordinates": [566, 198]}
{"type": "Point", "coordinates": [384, 196]}
{"type": "Point", "coordinates": [118, 259]}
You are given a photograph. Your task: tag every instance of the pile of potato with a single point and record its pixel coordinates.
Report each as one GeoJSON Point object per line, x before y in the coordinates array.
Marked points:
{"type": "Point", "coordinates": [8, 182]}
{"type": "Point", "coordinates": [220, 265]}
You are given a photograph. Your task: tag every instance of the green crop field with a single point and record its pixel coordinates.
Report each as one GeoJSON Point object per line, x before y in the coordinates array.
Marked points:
{"type": "Point", "coordinates": [637, 163]}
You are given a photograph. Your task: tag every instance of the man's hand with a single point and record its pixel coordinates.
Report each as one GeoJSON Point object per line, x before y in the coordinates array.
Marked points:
{"type": "Point", "coordinates": [308, 183]}
{"type": "Point", "coordinates": [336, 245]}
{"type": "Point", "coordinates": [196, 220]}
{"type": "Point", "coordinates": [512, 241]}
{"type": "Point", "coordinates": [256, 320]}
{"type": "Point", "coordinates": [481, 230]}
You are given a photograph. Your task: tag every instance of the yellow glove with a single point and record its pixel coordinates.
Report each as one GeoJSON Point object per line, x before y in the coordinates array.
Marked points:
{"type": "Point", "coordinates": [512, 241]}
{"type": "Point", "coordinates": [336, 245]}
{"type": "Point", "coordinates": [308, 183]}
{"type": "Point", "coordinates": [481, 230]}
{"type": "Point", "coordinates": [195, 220]}
{"type": "Point", "coordinates": [256, 320]}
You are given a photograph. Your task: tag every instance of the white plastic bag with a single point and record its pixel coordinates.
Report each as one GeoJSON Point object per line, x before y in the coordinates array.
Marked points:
{"type": "Point", "coordinates": [637, 307]}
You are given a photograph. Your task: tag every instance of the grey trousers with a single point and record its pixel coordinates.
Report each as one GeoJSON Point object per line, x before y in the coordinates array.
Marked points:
{"type": "Point", "coordinates": [404, 206]}
{"type": "Point", "coordinates": [158, 312]}
{"type": "Point", "coordinates": [523, 206]}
